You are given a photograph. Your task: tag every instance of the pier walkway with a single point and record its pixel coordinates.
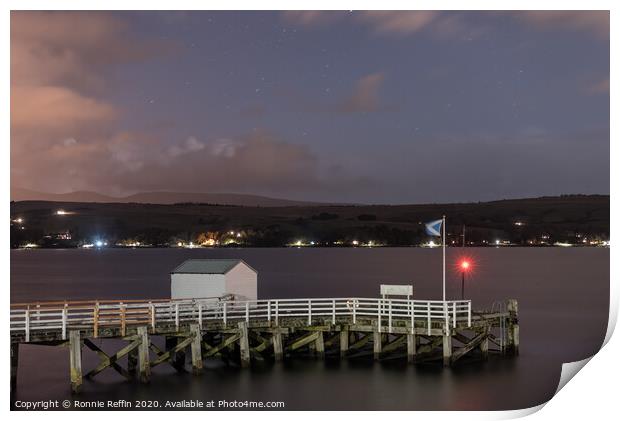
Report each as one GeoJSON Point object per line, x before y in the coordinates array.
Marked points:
{"type": "Point", "coordinates": [243, 331]}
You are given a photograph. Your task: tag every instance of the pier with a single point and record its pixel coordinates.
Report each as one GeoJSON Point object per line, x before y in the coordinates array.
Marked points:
{"type": "Point", "coordinates": [243, 332]}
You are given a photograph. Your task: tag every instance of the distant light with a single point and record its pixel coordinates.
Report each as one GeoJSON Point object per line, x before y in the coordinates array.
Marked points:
{"type": "Point", "coordinates": [497, 242]}
{"type": "Point", "coordinates": [19, 220]}
{"type": "Point", "coordinates": [231, 232]}
{"type": "Point", "coordinates": [180, 244]}
{"type": "Point", "coordinates": [519, 223]}
{"type": "Point", "coordinates": [30, 245]}
{"type": "Point", "coordinates": [60, 212]}
{"type": "Point", "coordinates": [465, 265]}
{"type": "Point", "coordinates": [298, 243]}
{"type": "Point", "coordinates": [431, 243]}
{"type": "Point", "coordinates": [370, 244]}
{"type": "Point", "coordinates": [238, 234]}
{"type": "Point", "coordinates": [99, 243]}
{"type": "Point", "coordinates": [87, 246]}
{"type": "Point", "coordinates": [312, 243]}
{"type": "Point", "coordinates": [355, 242]}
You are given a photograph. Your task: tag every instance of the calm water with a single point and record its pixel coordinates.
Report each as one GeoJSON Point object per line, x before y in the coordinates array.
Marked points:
{"type": "Point", "coordinates": [563, 307]}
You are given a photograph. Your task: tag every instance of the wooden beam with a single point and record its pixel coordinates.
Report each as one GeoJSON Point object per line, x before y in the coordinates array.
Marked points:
{"type": "Point", "coordinates": [395, 344]}
{"type": "Point", "coordinates": [75, 360]}
{"type": "Point", "coordinates": [344, 341]}
{"type": "Point", "coordinates": [105, 358]}
{"type": "Point", "coordinates": [144, 365]}
{"type": "Point", "coordinates": [277, 345]}
{"type": "Point", "coordinates": [376, 340]}
{"type": "Point", "coordinates": [302, 341]}
{"type": "Point", "coordinates": [411, 347]}
{"type": "Point", "coordinates": [244, 344]}
{"type": "Point", "coordinates": [169, 353]}
{"type": "Point", "coordinates": [111, 361]}
{"type": "Point", "coordinates": [447, 349]}
{"type": "Point", "coordinates": [360, 343]}
{"type": "Point", "coordinates": [319, 345]}
{"type": "Point", "coordinates": [430, 346]}
{"type": "Point", "coordinates": [225, 343]}
{"type": "Point", "coordinates": [472, 344]}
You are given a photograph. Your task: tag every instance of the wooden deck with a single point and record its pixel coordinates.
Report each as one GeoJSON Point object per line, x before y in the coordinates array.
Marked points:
{"type": "Point", "coordinates": [243, 332]}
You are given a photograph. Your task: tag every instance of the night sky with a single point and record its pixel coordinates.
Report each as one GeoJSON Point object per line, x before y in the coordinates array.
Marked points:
{"type": "Point", "coordinates": [369, 107]}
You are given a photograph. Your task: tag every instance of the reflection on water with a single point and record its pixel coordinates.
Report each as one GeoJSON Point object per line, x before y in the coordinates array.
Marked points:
{"type": "Point", "coordinates": [563, 307]}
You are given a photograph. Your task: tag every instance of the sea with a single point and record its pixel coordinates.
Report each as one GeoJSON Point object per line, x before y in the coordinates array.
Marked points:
{"type": "Point", "coordinates": [563, 296]}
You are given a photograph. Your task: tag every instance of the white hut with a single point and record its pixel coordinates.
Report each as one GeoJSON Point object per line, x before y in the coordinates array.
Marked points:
{"type": "Point", "coordinates": [206, 278]}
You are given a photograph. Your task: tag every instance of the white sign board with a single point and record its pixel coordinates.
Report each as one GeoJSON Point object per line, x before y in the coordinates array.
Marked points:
{"type": "Point", "coordinates": [397, 290]}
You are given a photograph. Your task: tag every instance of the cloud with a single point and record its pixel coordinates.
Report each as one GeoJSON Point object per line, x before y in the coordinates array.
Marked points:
{"type": "Point", "coordinates": [61, 128]}
{"type": "Point", "coordinates": [395, 23]}
{"type": "Point", "coordinates": [454, 25]}
{"type": "Point", "coordinates": [365, 97]}
{"type": "Point", "coordinates": [594, 22]}
{"type": "Point", "coordinates": [598, 88]}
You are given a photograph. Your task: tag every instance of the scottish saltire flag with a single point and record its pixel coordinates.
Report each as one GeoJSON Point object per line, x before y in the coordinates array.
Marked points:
{"type": "Point", "coordinates": [434, 228]}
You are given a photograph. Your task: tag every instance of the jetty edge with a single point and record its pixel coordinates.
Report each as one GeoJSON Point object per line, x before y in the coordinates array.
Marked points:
{"type": "Point", "coordinates": [243, 332]}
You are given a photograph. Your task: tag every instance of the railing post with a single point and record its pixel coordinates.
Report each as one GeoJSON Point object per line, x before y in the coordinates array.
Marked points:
{"type": "Point", "coordinates": [152, 317]}
{"type": "Point", "coordinates": [277, 313]}
{"type": "Point", "coordinates": [446, 317]}
{"type": "Point", "coordinates": [123, 326]}
{"type": "Point", "coordinates": [225, 313]}
{"type": "Point", "coordinates": [200, 315]}
{"type": "Point", "coordinates": [269, 311]}
{"type": "Point", "coordinates": [247, 312]}
{"type": "Point", "coordinates": [64, 322]}
{"type": "Point", "coordinates": [334, 311]}
{"type": "Point", "coordinates": [96, 320]}
{"type": "Point", "coordinates": [428, 315]}
{"type": "Point", "coordinates": [309, 312]}
{"type": "Point", "coordinates": [412, 317]}
{"type": "Point", "coordinates": [27, 324]}
{"type": "Point", "coordinates": [354, 311]}
{"type": "Point", "coordinates": [176, 316]}
{"type": "Point", "coordinates": [379, 307]}
{"type": "Point", "coordinates": [390, 316]}
{"type": "Point", "coordinates": [454, 314]}
{"type": "Point", "coordinates": [469, 313]}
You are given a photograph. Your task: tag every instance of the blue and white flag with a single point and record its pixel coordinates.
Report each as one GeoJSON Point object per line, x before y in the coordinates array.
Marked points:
{"type": "Point", "coordinates": [434, 228]}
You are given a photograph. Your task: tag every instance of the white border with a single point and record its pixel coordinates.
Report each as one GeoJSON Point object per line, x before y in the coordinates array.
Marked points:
{"type": "Point", "coordinates": [593, 393]}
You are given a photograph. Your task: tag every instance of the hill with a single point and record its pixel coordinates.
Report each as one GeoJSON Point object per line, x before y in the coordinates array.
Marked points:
{"type": "Point", "coordinates": [160, 198]}
{"type": "Point", "coordinates": [525, 221]}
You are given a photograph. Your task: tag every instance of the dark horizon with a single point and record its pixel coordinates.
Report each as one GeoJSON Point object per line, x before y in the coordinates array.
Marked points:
{"type": "Point", "coordinates": [359, 107]}
{"type": "Point", "coordinates": [75, 194]}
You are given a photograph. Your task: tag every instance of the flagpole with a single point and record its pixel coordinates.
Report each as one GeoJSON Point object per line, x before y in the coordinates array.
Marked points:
{"type": "Point", "coordinates": [443, 237]}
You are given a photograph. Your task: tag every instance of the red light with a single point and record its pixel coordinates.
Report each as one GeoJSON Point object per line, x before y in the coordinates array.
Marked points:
{"type": "Point", "coordinates": [465, 265]}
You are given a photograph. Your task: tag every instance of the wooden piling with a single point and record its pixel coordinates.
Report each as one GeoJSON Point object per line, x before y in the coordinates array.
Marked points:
{"type": "Point", "coordinates": [196, 349]}
{"type": "Point", "coordinates": [411, 347]}
{"type": "Point", "coordinates": [319, 345]}
{"type": "Point", "coordinates": [512, 326]}
{"type": "Point", "coordinates": [277, 345]}
{"type": "Point", "coordinates": [75, 360]}
{"type": "Point", "coordinates": [344, 341]}
{"type": "Point", "coordinates": [484, 346]}
{"type": "Point", "coordinates": [376, 338]}
{"type": "Point", "coordinates": [244, 344]}
{"type": "Point", "coordinates": [14, 364]}
{"type": "Point", "coordinates": [447, 349]}
{"type": "Point", "coordinates": [144, 364]}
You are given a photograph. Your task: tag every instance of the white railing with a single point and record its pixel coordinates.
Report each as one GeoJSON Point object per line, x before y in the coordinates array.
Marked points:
{"type": "Point", "coordinates": [28, 318]}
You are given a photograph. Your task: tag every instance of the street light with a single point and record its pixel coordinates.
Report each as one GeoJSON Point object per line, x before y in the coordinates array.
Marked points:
{"type": "Point", "coordinates": [465, 265]}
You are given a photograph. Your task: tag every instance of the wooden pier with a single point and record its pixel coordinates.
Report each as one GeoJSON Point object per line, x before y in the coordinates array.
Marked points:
{"type": "Point", "coordinates": [249, 331]}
